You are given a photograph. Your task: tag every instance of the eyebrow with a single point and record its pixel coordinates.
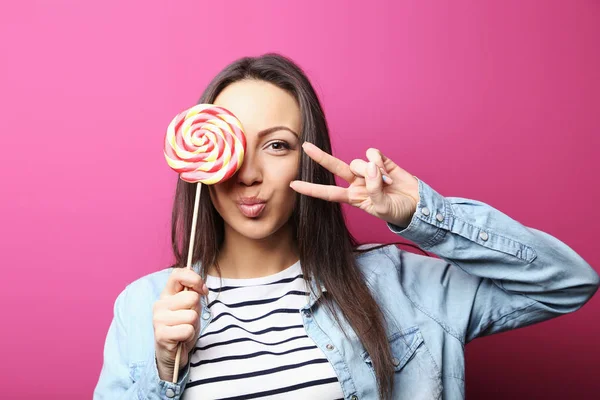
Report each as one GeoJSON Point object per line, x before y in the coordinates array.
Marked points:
{"type": "Point", "coordinates": [268, 131]}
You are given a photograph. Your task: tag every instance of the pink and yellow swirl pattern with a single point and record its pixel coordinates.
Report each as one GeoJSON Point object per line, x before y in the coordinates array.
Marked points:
{"type": "Point", "coordinates": [206, 144]}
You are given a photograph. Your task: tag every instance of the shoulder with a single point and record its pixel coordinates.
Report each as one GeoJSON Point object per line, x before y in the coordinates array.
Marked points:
{"type": "Point", "coordinates": [413, 270]}
{"type": "Point", "coordinates": [151, 283]}
{"type": "Point", "coordinates": [133, 309]}
{"type": "Point", "coordinates": [391, 260]}
{"type": "Point", "coordinates": [143, 291]}
{"type": "Point", "coordinates": [429, 282]}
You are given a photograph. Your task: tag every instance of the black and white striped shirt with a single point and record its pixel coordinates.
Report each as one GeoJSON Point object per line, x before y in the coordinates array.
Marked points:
{"type": "Point", "coordinates": [256, 345]}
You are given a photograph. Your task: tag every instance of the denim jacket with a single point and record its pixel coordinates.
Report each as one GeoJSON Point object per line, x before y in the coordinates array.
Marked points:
{"type": "Point", "coordinates": [493, 274]}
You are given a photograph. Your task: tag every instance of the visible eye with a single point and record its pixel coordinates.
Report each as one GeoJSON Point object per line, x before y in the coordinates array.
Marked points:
{"type": "Point", "coordinates": [279, 146]}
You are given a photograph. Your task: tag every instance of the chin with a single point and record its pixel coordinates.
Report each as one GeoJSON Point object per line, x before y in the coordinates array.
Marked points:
{"type": "Point", "coordinates": [257, 228]}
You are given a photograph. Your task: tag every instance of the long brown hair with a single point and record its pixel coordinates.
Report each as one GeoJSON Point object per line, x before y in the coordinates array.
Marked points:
{"type": "Point", "coordinates": [327, 250]}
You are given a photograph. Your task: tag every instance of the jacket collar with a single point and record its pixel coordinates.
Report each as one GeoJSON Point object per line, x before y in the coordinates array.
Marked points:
{"type": "Point", "coordinates": [314, 295]}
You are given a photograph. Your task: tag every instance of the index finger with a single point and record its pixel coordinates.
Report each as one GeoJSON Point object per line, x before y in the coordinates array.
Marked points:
{"type": "Point", "coordinates": [329, 162]}
{"type": "Point", "coordinates": [323, 192]}
{"type": "Point", "coordinates": [181, 278]}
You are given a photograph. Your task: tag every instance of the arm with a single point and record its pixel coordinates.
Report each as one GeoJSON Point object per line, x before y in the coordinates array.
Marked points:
{"type": "Point", "coordinates": [495, 274]}
{"type": "Point", "coordinates": [504, 274]}
{"type": "Point", "coordinates": [116, 380]}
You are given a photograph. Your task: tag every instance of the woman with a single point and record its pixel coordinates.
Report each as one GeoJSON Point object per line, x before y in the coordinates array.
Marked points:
{"type": "Point", "coordinates": [290, 306]}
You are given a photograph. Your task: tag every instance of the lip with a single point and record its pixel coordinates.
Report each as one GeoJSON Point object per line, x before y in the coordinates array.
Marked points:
{"type": "Point", "coordinates": [251, 200]}
{"type": "Point", "coordinates": [251, 207]}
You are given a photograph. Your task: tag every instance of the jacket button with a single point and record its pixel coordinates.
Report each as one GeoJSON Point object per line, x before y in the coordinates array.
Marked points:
{"type": "Point", "coordinates": [395, 361]}
{"type": "Point", "coordinates": [205, 315]}
{"type": "Point", "coordinates": [170, 393]}
{"type": "Point", "coordinates": [354, 397]}
{"type": "Point", "coordinates": [484, 236]}
{"type": "Point", "coordinates": [329, 346]}
{"type": "Point", "coordinates": [439, 217]}
{"type": "Point", "coordinates": [425, 211]}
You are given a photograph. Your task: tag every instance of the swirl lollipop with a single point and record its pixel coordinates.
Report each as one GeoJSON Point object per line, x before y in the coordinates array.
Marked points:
{"type": "Point", "coordinates": [205, 144]}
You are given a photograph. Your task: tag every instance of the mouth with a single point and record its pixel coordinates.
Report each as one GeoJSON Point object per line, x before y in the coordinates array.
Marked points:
{"type": "Point", "coordinates": [251, 207]}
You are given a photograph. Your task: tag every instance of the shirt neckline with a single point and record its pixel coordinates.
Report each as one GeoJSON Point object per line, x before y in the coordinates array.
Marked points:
{"type": "Point", "coordinates": [215, 281]}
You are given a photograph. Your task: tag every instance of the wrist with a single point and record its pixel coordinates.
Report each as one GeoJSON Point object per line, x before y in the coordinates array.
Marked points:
{"type": "Point", "coordinates": [164, 373]}
{"type": "Point", "coordinates": [412, 192]}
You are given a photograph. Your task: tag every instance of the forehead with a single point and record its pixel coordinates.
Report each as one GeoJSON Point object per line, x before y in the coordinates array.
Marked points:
{"type": "Point", "coordinates": [260, 105]}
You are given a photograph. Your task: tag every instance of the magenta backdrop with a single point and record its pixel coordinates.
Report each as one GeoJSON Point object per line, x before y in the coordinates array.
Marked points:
{"type": "Point", "coordinates": [496, 101]}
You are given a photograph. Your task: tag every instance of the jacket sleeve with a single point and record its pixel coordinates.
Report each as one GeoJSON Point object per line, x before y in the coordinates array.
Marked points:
{"type": "Point", "coordinates": [117, 380]}
{"type": "Point", "coordinates": [493, 274]}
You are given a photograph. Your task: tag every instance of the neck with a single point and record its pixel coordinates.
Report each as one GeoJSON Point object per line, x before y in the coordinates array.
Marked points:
{"type": "Point", "coordinates": [241, 257]}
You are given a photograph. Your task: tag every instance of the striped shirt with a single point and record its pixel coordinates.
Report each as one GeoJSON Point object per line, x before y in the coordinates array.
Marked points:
{"type": "Point", "coordinates": [256, 346]}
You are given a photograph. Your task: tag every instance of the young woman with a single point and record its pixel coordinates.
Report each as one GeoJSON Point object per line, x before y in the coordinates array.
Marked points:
{"type": "Point", "coordinates": [290, 306]}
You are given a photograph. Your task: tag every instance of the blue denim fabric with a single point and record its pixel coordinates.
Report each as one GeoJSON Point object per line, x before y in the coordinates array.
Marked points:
{"type": "Point", "coordinates": [493, 275]}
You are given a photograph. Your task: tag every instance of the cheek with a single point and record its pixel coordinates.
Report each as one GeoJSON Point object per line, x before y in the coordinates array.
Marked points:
{"type": "Point", "coordinates": [218, 194]}
{"type": "Point", "coordinates": [282, 170]}
{"type": "Point", "coordinates": [280, 182]}
{"type": "Point", "coordinates": [281, 174]}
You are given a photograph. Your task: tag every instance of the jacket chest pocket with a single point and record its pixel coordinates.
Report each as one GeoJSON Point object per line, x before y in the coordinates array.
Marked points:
{"type": "Point", "coordinates": [416, 374]}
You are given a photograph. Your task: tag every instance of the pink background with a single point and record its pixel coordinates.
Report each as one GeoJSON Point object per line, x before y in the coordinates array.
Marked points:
{"type": "Point", "coordinates": [496, 101]}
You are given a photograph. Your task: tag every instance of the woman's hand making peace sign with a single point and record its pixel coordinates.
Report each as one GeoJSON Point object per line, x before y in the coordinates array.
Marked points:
{"type": "Point", "coordinates": [394, 200]}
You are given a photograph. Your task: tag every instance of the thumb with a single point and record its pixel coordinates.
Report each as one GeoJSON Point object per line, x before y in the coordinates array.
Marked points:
{"type": "Point", "coordinates": [374, 185]}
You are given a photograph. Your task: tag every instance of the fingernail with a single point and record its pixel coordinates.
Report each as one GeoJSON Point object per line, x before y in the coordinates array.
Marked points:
{"type": "Point", "coordinates": [387, 179]}
{"type": "Point", "coordinates": [372, 170]}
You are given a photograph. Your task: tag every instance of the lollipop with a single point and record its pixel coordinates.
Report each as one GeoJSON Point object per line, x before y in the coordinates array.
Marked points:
{"type": "Point", "coordinates": [205, 145]}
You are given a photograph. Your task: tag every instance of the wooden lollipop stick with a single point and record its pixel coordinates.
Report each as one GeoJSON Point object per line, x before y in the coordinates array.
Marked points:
{"type": "Point", "coordinates": [189, 266]}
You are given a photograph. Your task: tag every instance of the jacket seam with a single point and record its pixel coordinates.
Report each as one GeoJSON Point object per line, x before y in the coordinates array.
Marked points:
{"type": "Point", "coordinates": [509, 313]}
{"type": "Point", "coordinates": [126, 331]}
{"type": "Point", "coordinates": [437, 237]}
{"type": "Point", "coordinates": [462, 378]}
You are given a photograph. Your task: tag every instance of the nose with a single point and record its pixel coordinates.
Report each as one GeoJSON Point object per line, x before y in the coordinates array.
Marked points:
{"type": "Point", "coordinates": [250, 172]}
